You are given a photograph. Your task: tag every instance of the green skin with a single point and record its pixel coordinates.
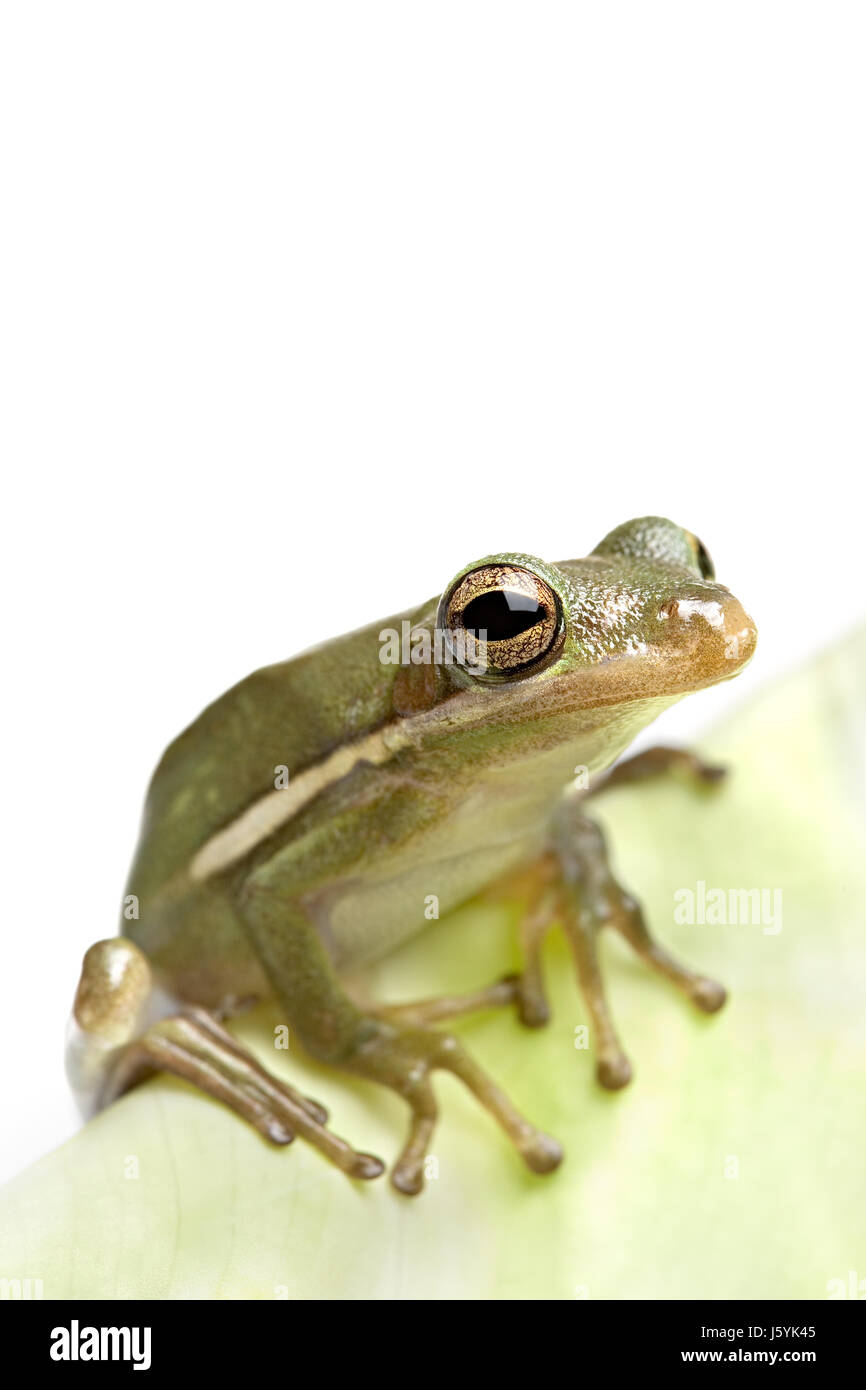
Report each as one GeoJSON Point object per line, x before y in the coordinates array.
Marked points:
{"type": "Point", "coordinates": [403, 781]}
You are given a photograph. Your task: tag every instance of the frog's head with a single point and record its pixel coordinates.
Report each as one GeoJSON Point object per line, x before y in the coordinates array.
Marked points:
{"type": "Point", "coordinates": [640, 619]}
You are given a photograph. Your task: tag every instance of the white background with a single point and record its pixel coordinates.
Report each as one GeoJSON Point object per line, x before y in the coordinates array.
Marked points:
{"type": "Point", "coordinates": [305, 306]}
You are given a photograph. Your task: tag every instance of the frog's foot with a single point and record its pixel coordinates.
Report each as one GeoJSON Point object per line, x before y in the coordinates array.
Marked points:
{"type": "Point", "coordinates": [592, 899]}
{"type": "Point", "coordinates": [109, 1053]}
{"type": "Point", "coordinates": [525, 989]}
{"type": "Point", "coordinates": [403, 1058]}
{"type": "Point", "coordinates": [654, 761]}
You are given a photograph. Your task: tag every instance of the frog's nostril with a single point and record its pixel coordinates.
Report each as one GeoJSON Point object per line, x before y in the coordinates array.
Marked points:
{"type": "Point", "coordinates": [709, 629]}
{"type": "Point", "coordinates": [684, 609]}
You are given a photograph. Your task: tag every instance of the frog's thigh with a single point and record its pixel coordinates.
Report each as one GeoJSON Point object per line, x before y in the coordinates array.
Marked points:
{"type": "Point", "coordinates": [592, 899]}
{"type": "Point", "coordinates": [111, 1049]}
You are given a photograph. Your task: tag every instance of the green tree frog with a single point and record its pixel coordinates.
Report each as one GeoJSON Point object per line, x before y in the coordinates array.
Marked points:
{"type": "Point", "coordinates": [295, 831]}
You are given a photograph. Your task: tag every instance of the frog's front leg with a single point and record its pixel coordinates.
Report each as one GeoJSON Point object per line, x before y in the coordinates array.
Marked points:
{"type": "Point", "coordinates": [390, 1050]}
{"type": "Point", "coordinates": [652, 762]}
{"type": "Point", "coordinates": [591, 898]}
{"type": "Point", "coordinates": [115, 1041]}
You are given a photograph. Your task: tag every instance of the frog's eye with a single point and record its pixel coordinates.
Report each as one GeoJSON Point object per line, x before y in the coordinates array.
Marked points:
{"type": "Point", "coordinates": [656, 538]}
{"type": "Point", "coordinates": [502, 620]}
{"type": "Point", "coordinates": [703, 558]}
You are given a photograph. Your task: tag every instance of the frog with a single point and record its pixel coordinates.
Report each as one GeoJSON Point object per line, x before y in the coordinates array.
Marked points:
{"type": "Point", "coordinates": [294, 834]}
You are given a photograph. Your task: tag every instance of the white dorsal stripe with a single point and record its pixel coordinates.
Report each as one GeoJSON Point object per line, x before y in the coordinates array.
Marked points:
{"type": "Point", "coordinates": [276, 808]}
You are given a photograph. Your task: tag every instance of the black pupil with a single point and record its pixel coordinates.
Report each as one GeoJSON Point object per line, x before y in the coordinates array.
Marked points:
{"type": "Point", "coordinates": [502, 615]}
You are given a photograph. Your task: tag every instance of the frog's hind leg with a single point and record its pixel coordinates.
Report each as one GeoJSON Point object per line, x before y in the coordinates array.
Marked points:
{"type": "Point", "coordinates": [112, 1047]}
{"type": "Point", "coordinates": [591, 899]}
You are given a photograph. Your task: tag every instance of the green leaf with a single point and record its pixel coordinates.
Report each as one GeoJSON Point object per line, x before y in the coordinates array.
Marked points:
{"type": "Point", "coordinates": [646, 1203]}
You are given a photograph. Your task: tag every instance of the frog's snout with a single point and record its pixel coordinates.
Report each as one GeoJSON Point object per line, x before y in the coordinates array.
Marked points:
{"type": "Point", "coordinates": [714, 628]}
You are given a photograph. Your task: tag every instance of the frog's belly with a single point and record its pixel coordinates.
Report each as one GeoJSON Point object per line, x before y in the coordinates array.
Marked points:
{"type": "Point", "coordinates": [371, 919]}
{"type": "Point", "coordinates": [501, 822]}
{"type": "Point", "coordinates": [484, 839]}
